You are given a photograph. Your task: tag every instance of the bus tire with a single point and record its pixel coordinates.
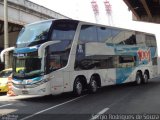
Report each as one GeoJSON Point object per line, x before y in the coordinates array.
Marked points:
{"type": "Point", "coordinates": [138, 80]}
{"type": "Point", "coordinates": [78, 87]}
{"type": "Point", "coordinates": [93, 85]}
{"type": "Point", "coordinates": [145, 78]}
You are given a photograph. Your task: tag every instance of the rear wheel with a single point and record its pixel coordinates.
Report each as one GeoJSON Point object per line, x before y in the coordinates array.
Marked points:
{"type": "Point", "coordinates": [145, 78]}
{"type": "Point", "coordinates": [78, 87]}
{"type": "Point", "coordinates": [138, 78]}
{"type": "Point", "coordinates": [93, 85]}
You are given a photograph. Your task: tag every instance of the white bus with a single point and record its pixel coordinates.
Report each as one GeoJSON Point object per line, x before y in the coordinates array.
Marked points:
{"type": "Point", "coordinates": [57, 56]}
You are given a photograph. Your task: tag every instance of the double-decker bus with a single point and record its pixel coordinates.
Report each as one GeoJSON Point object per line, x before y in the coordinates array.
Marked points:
{"type": "Point", "coordinates": [63, 55]}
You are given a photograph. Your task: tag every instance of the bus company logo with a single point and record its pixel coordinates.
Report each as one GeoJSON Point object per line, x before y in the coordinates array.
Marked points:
{"type": "Point", "coordinates": [144, 54]}
{"type": "Point", "coordinates": [80, 49]}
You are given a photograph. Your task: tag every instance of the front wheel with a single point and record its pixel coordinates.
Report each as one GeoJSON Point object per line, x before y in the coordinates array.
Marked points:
{"type": "Point", "coordinates": [78, 87]}
{"type": "Point", "coordinates": [93, 85]}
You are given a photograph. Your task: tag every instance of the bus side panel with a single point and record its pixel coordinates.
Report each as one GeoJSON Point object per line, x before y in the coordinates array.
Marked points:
{"type": "Point", "coordinates": [108, 76]}
{"type": "Point", "coordinates": [155, 71]}
{"type": "Point", "coordinates": [154, 66]}
{"type": "Point", "coordinates": [56, 82]}
{"type": "Point", "coordinates": [66, 81]}
{"type": "Point", "coordinates": [124, 75]}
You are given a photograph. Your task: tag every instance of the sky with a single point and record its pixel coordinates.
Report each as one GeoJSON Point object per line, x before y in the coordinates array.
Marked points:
{"type": "Point", "coordinates": [82, 10]}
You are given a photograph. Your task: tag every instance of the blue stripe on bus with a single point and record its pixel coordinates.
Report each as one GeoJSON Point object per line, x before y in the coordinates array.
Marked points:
{"type": "Point", "coordinates": [153, 52]}
{"type": "Point", "coordinates": [25, 50]}
{"type": "Point", "coordinates": [122, 74]}
{"type": "Point", "coordinates": [36, 79]}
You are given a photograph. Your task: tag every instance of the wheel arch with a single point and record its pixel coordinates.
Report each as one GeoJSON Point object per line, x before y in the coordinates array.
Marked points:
{"type": "Point", "coordinates": [139, 71]}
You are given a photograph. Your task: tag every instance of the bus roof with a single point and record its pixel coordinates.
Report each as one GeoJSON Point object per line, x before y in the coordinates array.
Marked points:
{"type": "Point", "coordinates": [89, 23]}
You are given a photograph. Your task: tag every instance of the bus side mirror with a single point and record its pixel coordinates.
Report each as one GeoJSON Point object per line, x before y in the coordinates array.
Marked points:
{"type": "Point", "coordinates": [4, 51]}
{"type": "Point", "coordinates": [41, 49]}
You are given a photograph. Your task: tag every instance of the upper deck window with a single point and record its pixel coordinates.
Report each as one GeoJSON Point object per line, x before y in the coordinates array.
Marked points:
{"type": "Point", "coordinates": [123, 37]}
{"type": "Point", "coordinates": [104, 35]}
{"type": "Point", "coordinates": [88, 33]}
{"type": "Point", "coordinates": [150, 41]}
{"type": "Point", "coordinates": [64, 30]}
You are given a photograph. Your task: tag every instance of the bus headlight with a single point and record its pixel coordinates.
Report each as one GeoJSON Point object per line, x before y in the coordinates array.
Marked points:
{"type": "Point", "coordinates": [37, 83]}
{"type": "Point", "coordinates": [31, 85]}
{"type": "Point", "coordinates": [42, 81]}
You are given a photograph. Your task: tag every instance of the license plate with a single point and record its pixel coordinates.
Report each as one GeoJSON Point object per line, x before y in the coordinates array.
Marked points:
{"type": "Point", "coordinates": [25, 92]}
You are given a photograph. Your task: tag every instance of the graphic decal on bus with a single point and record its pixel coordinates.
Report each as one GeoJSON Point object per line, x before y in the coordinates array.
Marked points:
{"type": "Point", "coordinates": [144, 55]}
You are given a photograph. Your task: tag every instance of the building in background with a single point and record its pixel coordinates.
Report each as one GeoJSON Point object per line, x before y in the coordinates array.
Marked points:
{"type": "Point", "coordinates": [145, 10]}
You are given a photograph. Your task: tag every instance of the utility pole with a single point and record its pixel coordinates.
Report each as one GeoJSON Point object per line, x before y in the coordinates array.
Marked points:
{"type": "Point", "coordinates": [6, 33]}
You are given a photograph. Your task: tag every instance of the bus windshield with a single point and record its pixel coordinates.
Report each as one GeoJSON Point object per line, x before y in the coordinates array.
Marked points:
{"type": "Point", "coordinates": [34, 32]}
{"type": "Point", "coordinates": [27, 67]}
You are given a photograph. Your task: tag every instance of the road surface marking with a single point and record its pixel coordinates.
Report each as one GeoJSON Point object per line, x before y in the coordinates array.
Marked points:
{"type": "Point", "coordinates": [52, 107]}
{"type": "Point", "coordinates": [5, 105]}
{"type": "Point", "coordinates": [100, 113]}
{"type": "Point", "coordinates": [106, 109]}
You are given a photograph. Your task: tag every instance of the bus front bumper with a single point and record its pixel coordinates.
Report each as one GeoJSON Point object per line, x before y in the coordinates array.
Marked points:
{"type": "Point", "coordinates": [43, 89]}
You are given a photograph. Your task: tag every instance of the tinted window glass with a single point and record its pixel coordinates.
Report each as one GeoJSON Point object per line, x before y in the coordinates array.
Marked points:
{"type": "Point", "coordinates": [104, 35]}
{"type": "Point", "coordinates": [154, 61]}
{"type": "Point", "coordinates": [103, 61]}
{"type": "Point", "coordinates": [150, 41]}
{"type": "Point", "coordinates": [123, 37]}
{"type": "Point", "coordinates": [34, 32]}
{"type": "Point", "coordinates": [140, 39]}
{"type": "Point", "coordinates": [88, 33]}
{"type": "Point", "coordinates": [63, 30]}
{"type": "Point", "coordinates": [94, 62]}
{"type": "Point", "coordinates": [118, 36]}
{"type": "Point", "coordinates": [58, 55]}
{"type": "Point", "coordinates": [126, 61]}
{"type": "Point", "coordinates": [130, 38]}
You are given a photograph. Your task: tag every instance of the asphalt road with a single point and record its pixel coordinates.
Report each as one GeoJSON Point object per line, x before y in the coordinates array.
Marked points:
{"type": "Point", "coordinates": [113, 102]}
